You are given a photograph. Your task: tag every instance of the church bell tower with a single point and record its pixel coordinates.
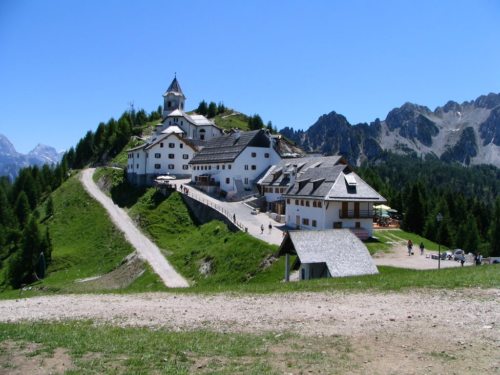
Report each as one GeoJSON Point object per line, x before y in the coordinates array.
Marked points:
{"type": "Point", "coordinates": [173, 98]}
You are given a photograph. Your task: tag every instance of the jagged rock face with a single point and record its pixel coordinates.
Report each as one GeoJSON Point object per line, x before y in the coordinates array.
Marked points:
{"type": "Point", "coordinates": [464, 150]}
{"type": "Point", "coordinates": [332, 134]}
{"type": "Point", "coordinates": [11, 160]}
{"type": "Point", "coordinates": [468, 133]}
{"type": "Point", "coordinates": [490, 129]}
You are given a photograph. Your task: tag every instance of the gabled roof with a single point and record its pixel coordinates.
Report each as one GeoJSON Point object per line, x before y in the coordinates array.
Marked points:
{"type": "Point", "coordinates": [195, 119]}
{"type": "Point", "coordinates": [333, 184]}
{"type": "Point", "coordinates": [200, 120]}
{"type": "Point", "coordinates": [174, 88]}
{"type": "Point", "coordinates": [278, 174]}
{"type": "Point", "coordinates": [343, 252]}
{"type": "Point", "coordinates": [227, 147]}
{"type": "Point", "coordinates": [173, 129]}
{"type": "Point", "coordinates": [163, 137]}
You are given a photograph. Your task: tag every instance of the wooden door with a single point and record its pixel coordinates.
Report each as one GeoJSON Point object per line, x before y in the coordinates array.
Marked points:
{"type": "Point", "coordinates": [356, 209]}
{"type": "Point", "coordinates": [345, 210]}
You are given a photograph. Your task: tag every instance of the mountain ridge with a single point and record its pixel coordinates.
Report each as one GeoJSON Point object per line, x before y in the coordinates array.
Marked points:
{"type": "Point", "coordinates": [12, 161]}
{"type": "Point", "coordinates": [467, 133]}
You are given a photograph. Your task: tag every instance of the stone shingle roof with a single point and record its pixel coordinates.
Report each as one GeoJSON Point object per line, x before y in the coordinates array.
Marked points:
{"type": "Point", "coordinates": [343, 252]}
{"type": "Point", "coordinates": [226, 148]}
{"type": "Point", "coordinates": [275, 176]}
{"type": "Point", "coordinates": [338, 183]}
{"type": "Point", "coordinates": [175, 88]}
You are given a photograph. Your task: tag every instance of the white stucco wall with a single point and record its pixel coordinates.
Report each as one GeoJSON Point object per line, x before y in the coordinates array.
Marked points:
{"type": "Point", "coordinates": [136, 162]}
{"type": "Point", "coordinates": [326, 215]}
{"type": "Point", "coordinates": [237, 170]}
{"type": "Point", "coordinates": [169, 165]}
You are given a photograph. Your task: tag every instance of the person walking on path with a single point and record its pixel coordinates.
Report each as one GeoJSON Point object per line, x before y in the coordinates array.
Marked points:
{"type": "Point", "coordinates": [410, 246]}
{"type": "Point", "coordinates": [261, 228]}
{"type": "Point", "coordinates": [421, 248]}
{"type": "Point", "coordinates": [270, 227]}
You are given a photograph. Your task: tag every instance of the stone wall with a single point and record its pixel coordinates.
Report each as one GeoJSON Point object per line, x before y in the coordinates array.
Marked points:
{"type": "Point", "coordinates": [203, 213]}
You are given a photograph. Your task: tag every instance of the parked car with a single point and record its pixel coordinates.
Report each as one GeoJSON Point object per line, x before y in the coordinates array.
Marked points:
{"type": "Point", "coordinates": [458, 254]}
{"type": "Point", "coordinates": [446, 255]}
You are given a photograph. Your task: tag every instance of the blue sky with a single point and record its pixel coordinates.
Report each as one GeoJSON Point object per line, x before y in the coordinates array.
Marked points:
{"type": "Point", "coordinates": [66, 65]}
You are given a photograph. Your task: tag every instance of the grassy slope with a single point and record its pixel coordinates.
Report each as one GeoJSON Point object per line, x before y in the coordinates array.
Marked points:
{"type": "Point", "coordinates": [227, 120]}
{"type": "Point", "coordinates": [234, 257]}
{"type": "Point", "coordinates": [85, 244]}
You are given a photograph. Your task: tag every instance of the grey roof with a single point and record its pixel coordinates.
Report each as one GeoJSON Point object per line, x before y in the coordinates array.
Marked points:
{"type": "Point", "coordinates": [227, 147]}
{"type": "Point", "coordinates": [331, 183]}
{"type": "Point", "coordinates": [189, 142]}
{"type": "Point", "coordinates": [343, 252]}
{"type": "Point", "coordinates": [276, 176]}
{"type": "Point", "coordinates": [175, 88]}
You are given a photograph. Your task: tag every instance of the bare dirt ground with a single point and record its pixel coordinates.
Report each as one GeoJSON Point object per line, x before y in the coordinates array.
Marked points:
{"type": "Point", "coordinates": [429, 331]}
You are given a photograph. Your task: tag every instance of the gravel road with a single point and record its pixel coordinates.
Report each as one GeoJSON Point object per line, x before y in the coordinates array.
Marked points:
{"type": "Point", "coordinates": [146, 249]}
{"type": "Point", "coordinates": [329, 313]}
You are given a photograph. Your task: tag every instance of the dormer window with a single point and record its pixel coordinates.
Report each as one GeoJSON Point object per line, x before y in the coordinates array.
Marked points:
{"type": "Point", "coordinates": [169, 104]}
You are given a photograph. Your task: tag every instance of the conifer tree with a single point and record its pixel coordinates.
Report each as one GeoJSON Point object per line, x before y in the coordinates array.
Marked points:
{"type": "Point", "coordinates": [414, 215]}
{"type": "Point", "coordinates": [22, 208]}
{"type": "Point", "coordinates": [494, 231]}
{"type": "Point", "coordinates": [202, 108]}
{"type": "Point", "coordinates": [49, 207]}
{"type": "Point", "coordinates": [212, 110]}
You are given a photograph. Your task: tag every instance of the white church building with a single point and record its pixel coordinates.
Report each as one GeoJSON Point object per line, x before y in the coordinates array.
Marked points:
{"type": "Point", "coordinates": [174, 142]}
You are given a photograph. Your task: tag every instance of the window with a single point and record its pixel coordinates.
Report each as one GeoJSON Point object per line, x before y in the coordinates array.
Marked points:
{"type": "Point", "coordinates": [185, 156]}
{"type": "Point", "coordinates": [210, 167]}
{"type": "Point", "coordinates": [169, 104]}
{"type": "Point", "coordinates": [254, 167]}
{"type": "Point", "coordinates": [301, 202]}
{"type": "Point", "coordinates": [288, 201]}
{"type": "Point", "coordinates": [185, 166]}
{"type": "Point", "coordinates": [314, 224]}
{"type": "Point", "coordinates": [246, 180]}
{"type": "Point", "coordinates": [296, 202]}
{"type": "Point", "coordinates": [276, 190]}
{"type": "Point", "coordinates": [246, 167]}
{"type": "Point", "coordinates": [137, 166]}
{"type": "Point", "coordinates": [266, 155]}
{"type": "Point", "coordinates": [137, 155]}
{"type": "Point", "coordinates": [227, 180]}
{"type": "Point", "coordinates": [157, 156]}
{"type": "Point", "coordinates": [314, 203]}
{"type": "Point", "coordinates": [171, 166]}
{"type": "Point", "coordinates": [218, 166]}
{"type": "Point", "coordinates": [254, 154]}
{"type": "Point", "coordinates": [202, 134]}
{"type": "Point", "coordinates": [307, 203]}
{"type": "Point", "coordinates": [181, 145]}
{"type": "Point", "coordinates": [171, 145]}
{"type": "Point", "coordinates": [229, 166]}
{"type": "Point", "coordinates": [157, 166]}
{"type": "Point", "coordinates": [171, 156]}
{"type": "Point", "coordinates": [223, 166]}
{"type": "Point", "coordinates": [319, 204]}
{"type": "Point", "coordinates": [305, 221]}
{"type": "Point", "coordinates": [161, 145]}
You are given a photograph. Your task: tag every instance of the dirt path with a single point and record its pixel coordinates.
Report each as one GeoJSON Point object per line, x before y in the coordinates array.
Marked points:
{"type": "Point", "coordinates": [146, 249]}
{"type": "Point", "coordinates": [393, 332]}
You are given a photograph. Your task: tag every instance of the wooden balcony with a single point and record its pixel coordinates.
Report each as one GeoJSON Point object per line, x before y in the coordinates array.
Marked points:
{"type": "Point", "coordinates": [356, 214]}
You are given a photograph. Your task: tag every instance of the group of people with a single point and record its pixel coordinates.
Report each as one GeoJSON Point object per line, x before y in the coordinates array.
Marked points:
{"type": "Point", "coordinates": [410, 248]}
{"type": "Point", "coordinates": [270, 226]}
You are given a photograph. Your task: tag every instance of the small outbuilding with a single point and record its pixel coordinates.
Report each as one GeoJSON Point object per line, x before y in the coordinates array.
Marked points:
{"type": "Point", "coordinates": [326, 253]}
